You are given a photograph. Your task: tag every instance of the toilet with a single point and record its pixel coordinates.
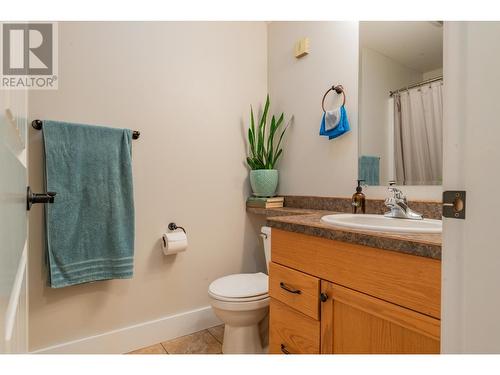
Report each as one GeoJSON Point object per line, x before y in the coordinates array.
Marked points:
{"type": "Point", "coordinates": [241, 301]}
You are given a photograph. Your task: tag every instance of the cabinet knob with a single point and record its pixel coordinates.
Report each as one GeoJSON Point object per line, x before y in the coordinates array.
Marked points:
{"type": "Point", "coordinates": [323, 297]}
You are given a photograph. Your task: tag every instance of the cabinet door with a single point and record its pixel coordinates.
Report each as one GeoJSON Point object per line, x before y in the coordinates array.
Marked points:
{"type": "Point", "coordinates": [356, 323]}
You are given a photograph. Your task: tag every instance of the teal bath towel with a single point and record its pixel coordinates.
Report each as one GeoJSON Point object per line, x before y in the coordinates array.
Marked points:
{"type": "Point", "coordinates": [369, 169]}
{"type": "Point", "coordinates": [90, 225]}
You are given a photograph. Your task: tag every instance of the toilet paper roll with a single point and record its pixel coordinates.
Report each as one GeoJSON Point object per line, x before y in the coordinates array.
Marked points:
{"type": "Point", "coordinates": [174, 242]}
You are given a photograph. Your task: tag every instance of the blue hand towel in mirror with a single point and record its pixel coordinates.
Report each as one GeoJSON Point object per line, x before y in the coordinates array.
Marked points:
{"type": "Point", "coordinates": [334, 123]}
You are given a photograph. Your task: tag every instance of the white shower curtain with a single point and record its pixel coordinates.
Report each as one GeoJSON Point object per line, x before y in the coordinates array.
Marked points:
{"type": "Point", "coordinates": [418, 135]}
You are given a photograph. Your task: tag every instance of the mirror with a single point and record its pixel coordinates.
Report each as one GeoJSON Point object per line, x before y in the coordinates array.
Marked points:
{"type": "Point", "coordinates": [400, 102]}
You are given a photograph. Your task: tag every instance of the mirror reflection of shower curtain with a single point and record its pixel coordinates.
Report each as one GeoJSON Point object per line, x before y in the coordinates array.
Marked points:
{"type": "Point", "coordinates": [418, 135]}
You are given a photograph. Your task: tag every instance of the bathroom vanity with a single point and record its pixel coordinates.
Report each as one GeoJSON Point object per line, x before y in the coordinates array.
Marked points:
{"type": "Point", "coordinates": [338, 291]}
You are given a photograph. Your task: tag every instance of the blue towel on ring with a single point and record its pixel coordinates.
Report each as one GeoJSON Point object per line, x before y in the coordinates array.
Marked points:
{"type": "Point", "coordinates": [337, 131]}
{"type": "Point", "coordinates": [90, 225]}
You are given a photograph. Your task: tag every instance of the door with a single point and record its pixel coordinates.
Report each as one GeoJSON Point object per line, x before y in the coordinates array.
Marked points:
{"type": "Point", "coordinates": [13, 222]}
{"type": "Point", "coordinates": [471, 247]}
{"type": "Point", "coordinates": [356, 323]}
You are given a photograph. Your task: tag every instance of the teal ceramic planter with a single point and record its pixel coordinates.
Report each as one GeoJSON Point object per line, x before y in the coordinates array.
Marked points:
{"type": "Point", "coordinates": [264, 182]}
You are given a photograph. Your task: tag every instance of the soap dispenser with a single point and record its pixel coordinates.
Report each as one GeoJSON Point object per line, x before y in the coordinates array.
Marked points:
{"type": "Point", "coordinates": [358, 200]}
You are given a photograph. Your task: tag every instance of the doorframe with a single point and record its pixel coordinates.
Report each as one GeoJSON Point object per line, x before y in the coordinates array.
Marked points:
{"type": "Point", "coordinates": [452, 249]}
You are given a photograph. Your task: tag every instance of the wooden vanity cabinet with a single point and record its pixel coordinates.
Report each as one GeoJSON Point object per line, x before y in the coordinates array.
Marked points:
{"type": "Point", "coordinates": [337, 298]}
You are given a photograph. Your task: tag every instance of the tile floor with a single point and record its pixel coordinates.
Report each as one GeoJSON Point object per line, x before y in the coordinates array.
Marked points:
{"type": "Point", "coordinates": [208, 341]}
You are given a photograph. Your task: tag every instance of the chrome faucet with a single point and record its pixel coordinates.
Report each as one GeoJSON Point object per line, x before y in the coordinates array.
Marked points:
{"type": "Point", "coordinates": [398, 205]}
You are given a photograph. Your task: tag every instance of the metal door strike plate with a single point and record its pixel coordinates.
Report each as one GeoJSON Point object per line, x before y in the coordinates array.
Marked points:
{"type": "Point", "coordinates": [454, 204]}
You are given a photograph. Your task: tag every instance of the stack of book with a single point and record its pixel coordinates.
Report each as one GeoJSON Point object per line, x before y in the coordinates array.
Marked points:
{"type": "Point", "coordinates": [263, 202]}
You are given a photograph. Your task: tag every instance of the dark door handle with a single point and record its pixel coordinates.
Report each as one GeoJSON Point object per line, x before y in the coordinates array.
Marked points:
{"type": "Point", "coordinates": [323, 297]}
{"type": "Point", "coordinates": [34, 198]}
{"type": "Point", "coordinates": [284, 350]}
{"type": "Point", "coordinates": [288, 289]}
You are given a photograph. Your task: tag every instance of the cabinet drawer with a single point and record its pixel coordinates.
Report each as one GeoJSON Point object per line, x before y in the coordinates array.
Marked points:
{"type": "Point", "coordinates": [294, 288]}
{"type": "Point", "coordinates": [291, 332]}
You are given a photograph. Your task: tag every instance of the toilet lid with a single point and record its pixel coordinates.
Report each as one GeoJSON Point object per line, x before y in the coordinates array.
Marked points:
{"type": "Point", "coordinates": [242, 285]}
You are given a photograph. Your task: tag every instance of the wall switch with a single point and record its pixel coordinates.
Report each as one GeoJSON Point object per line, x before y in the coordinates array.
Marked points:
{"type": "Point", "coordinates": [302, 47]}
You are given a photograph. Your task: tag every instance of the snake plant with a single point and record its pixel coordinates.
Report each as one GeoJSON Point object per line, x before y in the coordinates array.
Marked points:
{"type": "Point", "coordinates": [263, 154]}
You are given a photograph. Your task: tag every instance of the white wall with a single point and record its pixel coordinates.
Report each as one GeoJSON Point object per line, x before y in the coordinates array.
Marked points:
{"type": "Point", "coordinates": [188, 88]}
{"type": "Point", "coordinates": [313, 165]}
{"type": "Point", "coordinates": [379, 74]}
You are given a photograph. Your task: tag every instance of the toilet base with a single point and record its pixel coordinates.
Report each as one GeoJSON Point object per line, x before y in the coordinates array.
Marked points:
{"type": "Point", "coordinates": [245, 325]}
{"type": "Point", "coordinates": [242, 340]}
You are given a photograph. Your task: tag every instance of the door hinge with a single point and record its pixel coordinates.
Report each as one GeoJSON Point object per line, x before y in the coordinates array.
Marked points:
{"type": "Point", "coordinates": [454, 204]}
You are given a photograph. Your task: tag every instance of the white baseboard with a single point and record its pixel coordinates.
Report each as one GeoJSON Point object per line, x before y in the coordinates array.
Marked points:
{"type": "Point", "coordinates": [138, 336]}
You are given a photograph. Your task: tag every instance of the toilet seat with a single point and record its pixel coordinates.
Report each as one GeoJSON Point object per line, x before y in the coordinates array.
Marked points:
{"type": "Point", "coordinates": [243, 287]}
{"type": "Point", "coordinates": [248, 299]}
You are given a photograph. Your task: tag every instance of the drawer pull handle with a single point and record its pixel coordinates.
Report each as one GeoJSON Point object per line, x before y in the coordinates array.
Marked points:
{"type": "Point", "coordinates": [284, 286]}
{"type": "Point", "coordinates": [284, 350]}
{"type": "Point", "coordinates": [323, 297]}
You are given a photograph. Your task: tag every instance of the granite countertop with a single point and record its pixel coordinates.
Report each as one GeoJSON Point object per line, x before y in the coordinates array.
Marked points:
{"type": "Point", "coordinates": [425, 245]}
{"type": "Point", "coordinates": [281, 211]}
{"type": "Point", "coordinates": [308, 221]}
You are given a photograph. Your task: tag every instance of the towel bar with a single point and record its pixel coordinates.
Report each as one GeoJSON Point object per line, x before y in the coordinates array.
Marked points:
{"type": "Point", "coordinates": [37, 124]}
{"type": "Point", "coordinates": [32, 198]}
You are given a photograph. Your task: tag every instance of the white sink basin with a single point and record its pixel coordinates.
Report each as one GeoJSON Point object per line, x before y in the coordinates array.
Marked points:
{"type": "Point", "coordinates": [381, 223]}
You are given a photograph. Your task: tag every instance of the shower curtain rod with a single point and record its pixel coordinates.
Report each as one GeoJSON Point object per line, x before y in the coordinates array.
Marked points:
{"type": "Point", "coordinates": [440, 78]}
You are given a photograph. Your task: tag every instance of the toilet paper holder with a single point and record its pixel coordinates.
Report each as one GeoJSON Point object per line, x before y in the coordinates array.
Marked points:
{"type": "Point", "coordinates": [173, 226]}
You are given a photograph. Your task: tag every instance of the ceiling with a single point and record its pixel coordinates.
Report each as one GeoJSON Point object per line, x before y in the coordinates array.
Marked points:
{"type": "Point", "coordinates": [415, 44]}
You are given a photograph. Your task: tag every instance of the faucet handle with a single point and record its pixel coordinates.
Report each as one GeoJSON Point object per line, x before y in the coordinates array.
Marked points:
{"type": "Point", "coordinates": [397, 193]}
{"type": "Point", "coordinates": [392, 188]}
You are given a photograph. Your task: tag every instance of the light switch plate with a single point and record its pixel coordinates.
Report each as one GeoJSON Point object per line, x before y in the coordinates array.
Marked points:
{"type": "Point", "coordinates": [302, 47]}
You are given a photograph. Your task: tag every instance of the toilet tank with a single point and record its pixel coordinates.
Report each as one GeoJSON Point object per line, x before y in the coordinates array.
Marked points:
{"type": "Point", "coordinates": [265, 233]}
